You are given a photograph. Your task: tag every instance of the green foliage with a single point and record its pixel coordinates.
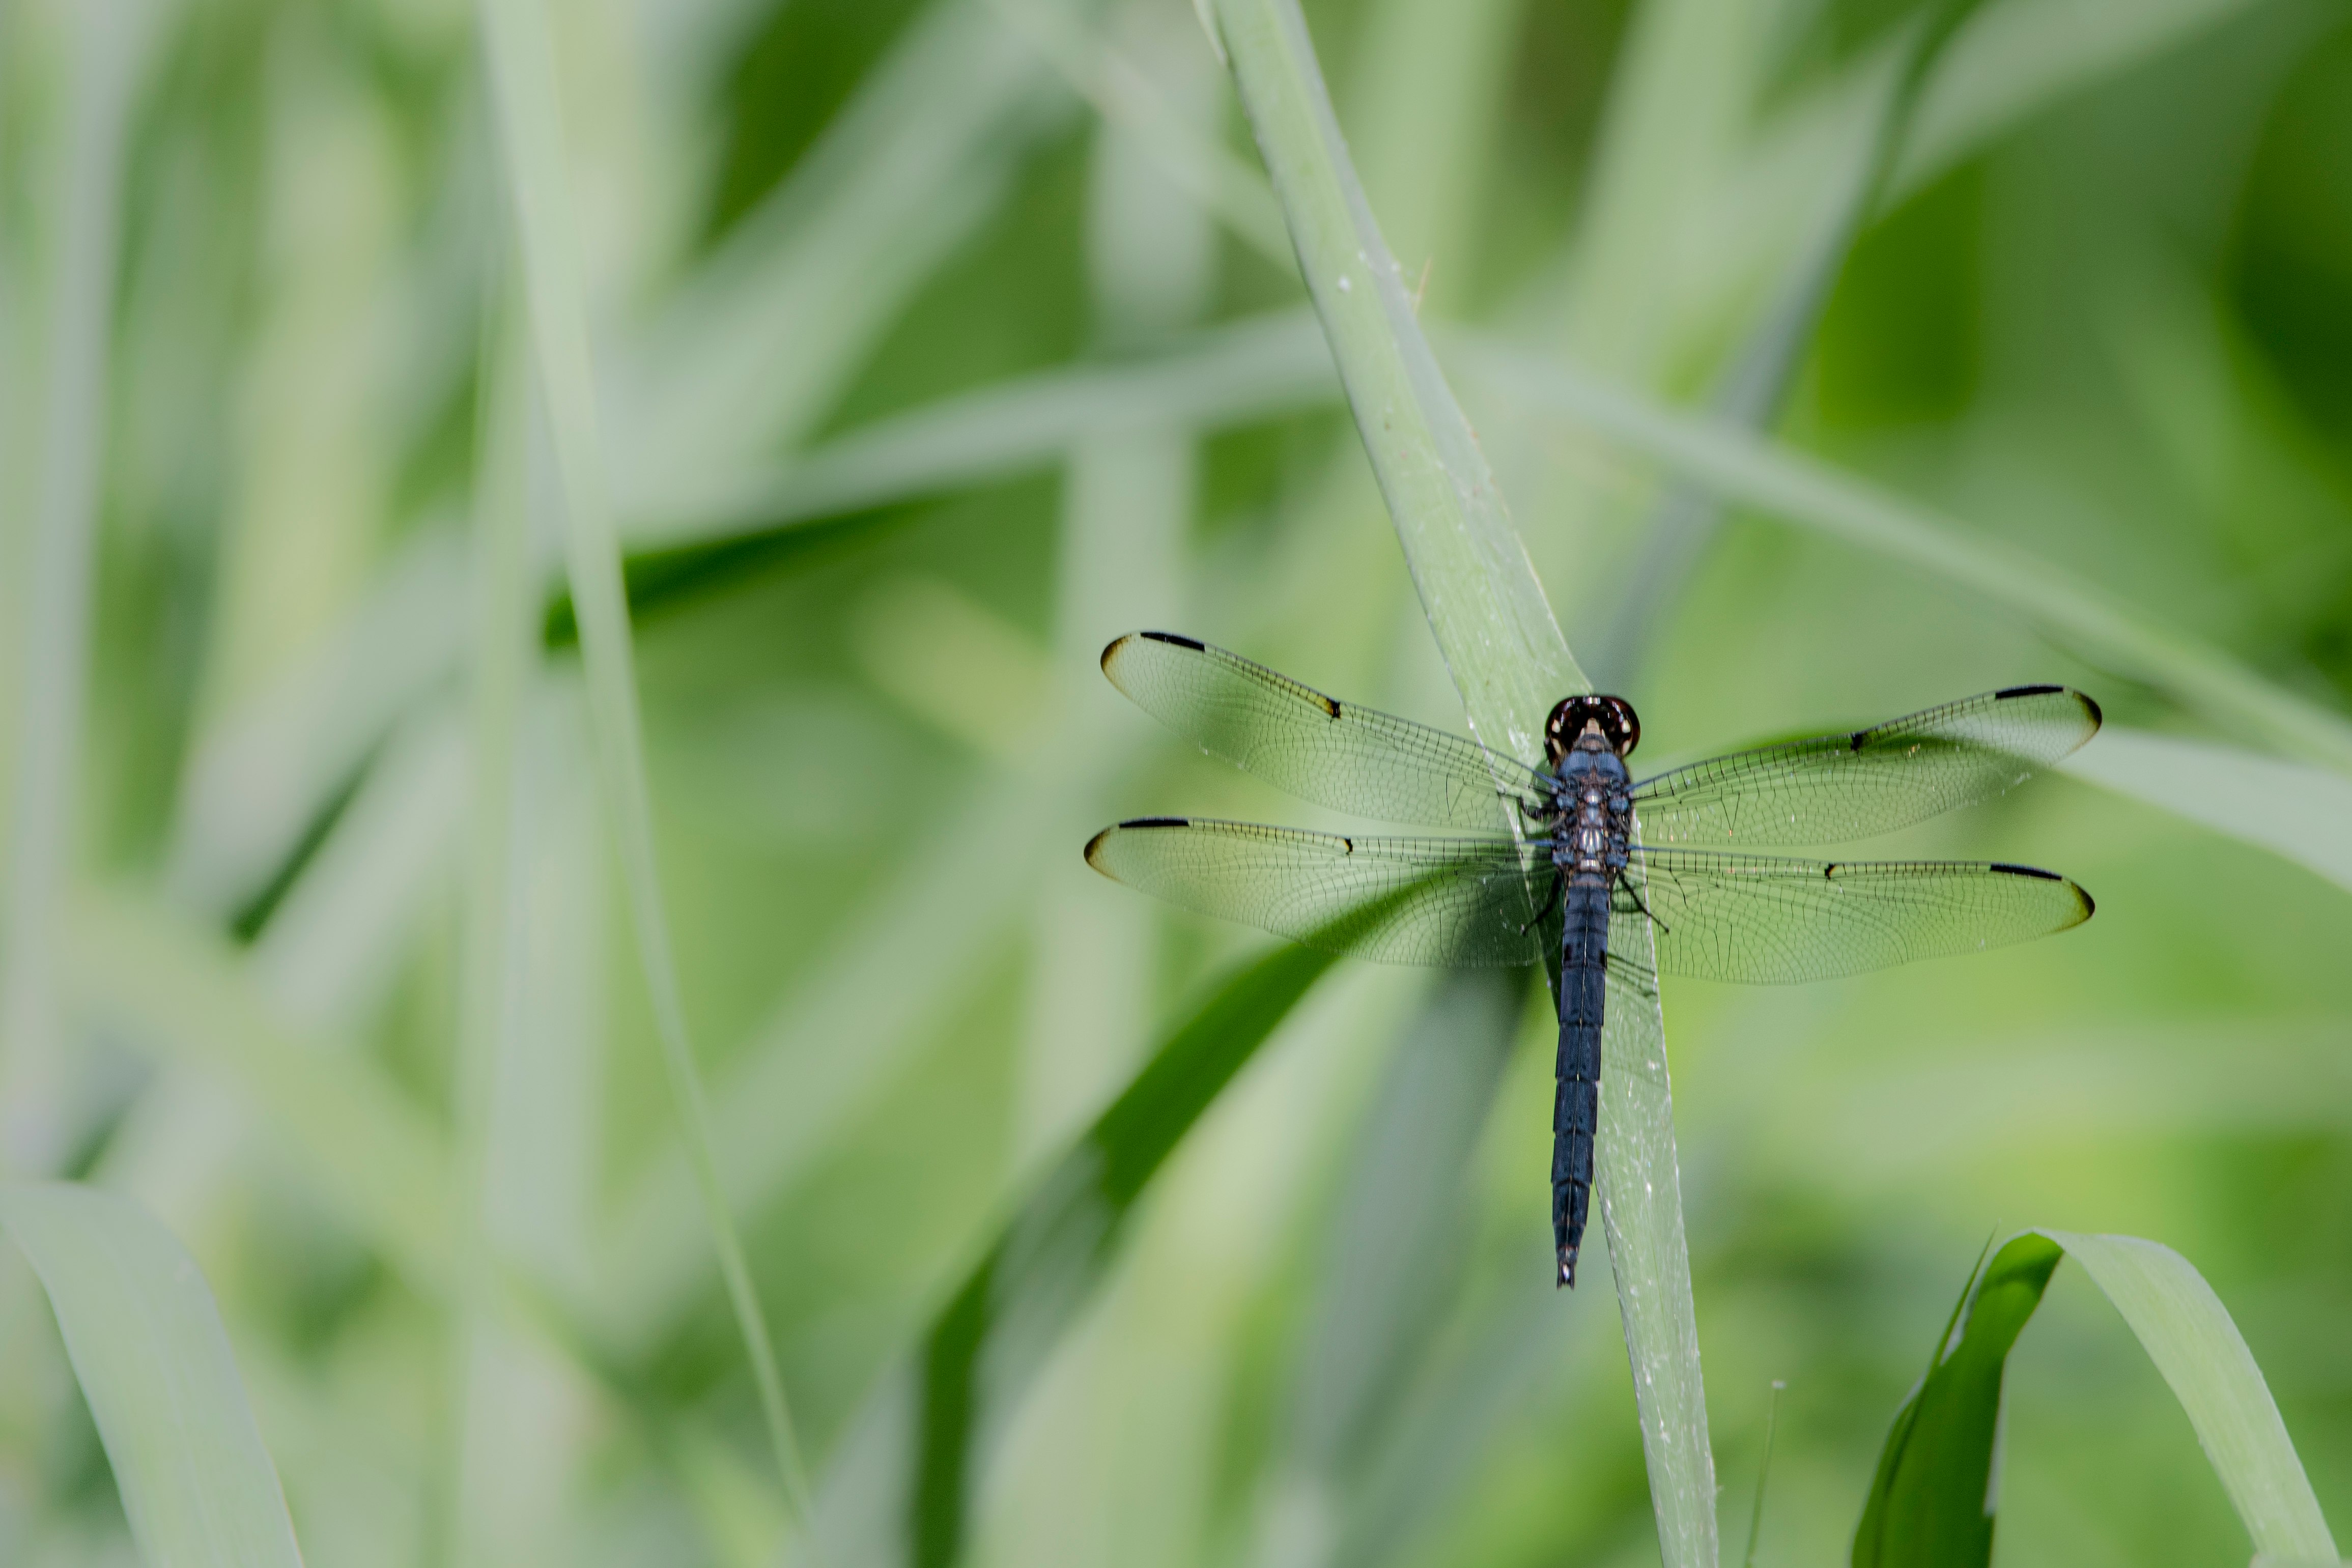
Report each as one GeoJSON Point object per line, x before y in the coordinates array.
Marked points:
{"type": "Point", "coordinates": [1939, 1486]}
{"type": "Point", "coordinates": [1036, 1276]}
{"type": "Point", "coordinates": [862, 369]}
{"type": "Point", "coordinates": [154, 1361]}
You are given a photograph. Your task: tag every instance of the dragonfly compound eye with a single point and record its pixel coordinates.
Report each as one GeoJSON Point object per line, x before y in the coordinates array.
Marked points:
{"type": "Point", "coordinates": [1612, 717]}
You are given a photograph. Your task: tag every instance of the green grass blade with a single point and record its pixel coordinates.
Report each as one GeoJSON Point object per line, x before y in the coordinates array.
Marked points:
{"type": "Point", "coordinates": [2188, 1333]}
{"type": "Point", "coordinates": [1763, 1476]}
{"type": "Point", "coordinates": [985, 1345]}
{"type": "Point", "coordinates": [1755, 472]}
{"type": "Point", "coordinates": [109, 41]}
{"type": "Point", "coordinates": [835, 1041]}
{"type": "Point", "coordinates": [1754, 385]}
{"type": "Point", "coordinates": [154, 1361]}
{"type": "Point", "coordinates": [492, 968]}
{"type": "Point", "coordinates": [1508, 659]}
{"type": "Point", "coordinates": [1932, 1501]}
{"type": "Point", "coordinates": [2298, 812]}
{"type": "Point", "coordinates": [266, 771]}
{"type": "Point", "coordinates": [173, 989]}
{"type": "Point", "coordinates": [1201, 168]}
{"type": "Point", "coordinates": [2020, 58]}
{"type": "Point", "coordinates": [752, 350]}
{"type": "Point", "coordinates": [521, 67]}
{"type": "Point", "coordinates": [1937, 1492]}
{"type": "Point", "coordinates": [1484, 603]}
{"type": "Point", "coordinates": [1223, 376]}
{"type": "Point", "coordinates": [1394, 1245]}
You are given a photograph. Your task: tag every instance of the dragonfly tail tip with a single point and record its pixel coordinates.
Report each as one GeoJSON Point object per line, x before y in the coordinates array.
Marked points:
{"type": "Point", "coordinates": [1567, 1268]}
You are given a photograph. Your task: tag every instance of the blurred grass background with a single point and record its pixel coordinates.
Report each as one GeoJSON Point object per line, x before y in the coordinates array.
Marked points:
{"type": "Point", "coordinates": [934, 348]}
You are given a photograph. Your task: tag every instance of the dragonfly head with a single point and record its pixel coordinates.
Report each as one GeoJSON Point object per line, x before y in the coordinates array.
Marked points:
{"type": "Point", "coordinates": [1612, 718]}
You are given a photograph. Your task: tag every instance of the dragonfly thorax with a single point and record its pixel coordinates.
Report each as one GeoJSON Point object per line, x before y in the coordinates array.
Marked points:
{"type": "Point", "coordinates": [1594, 810]}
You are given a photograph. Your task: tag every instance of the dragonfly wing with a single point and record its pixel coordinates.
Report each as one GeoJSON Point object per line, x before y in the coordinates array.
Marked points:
{"type": "Point", "coordinates": [1840, 787]}
{"type": "Point", "coordinates": [1354, 759]}
{"type": "Point", "coordinates": [1765, 920]}
{"type": "Point", "coordinates": [1467, 902]}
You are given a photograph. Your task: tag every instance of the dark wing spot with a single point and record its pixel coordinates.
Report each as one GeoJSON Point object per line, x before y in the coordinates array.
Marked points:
{"type": "Point", "coordinates": [1158, 822]}
{"type": "Point", "coordinates": [1198, 647]}
{"type": "Point", "coordinates": [1330, 704]}
{"type": "Point", "coordinates": [2003, 866]}
{"type": "Point", "coordinates": [2025, 692]}
{"type": "Point", "coordinates": [1861, 738]}
{"type": "Point", "coordinates": [1829, 870]}
{"type": "Point", "coordinates": [1348, 845]}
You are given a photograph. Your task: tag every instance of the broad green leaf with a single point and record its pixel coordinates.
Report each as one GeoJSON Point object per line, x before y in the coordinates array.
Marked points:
{"type": "Point", "coordinates": [988, 1341]}
{"type": "Point", "coordinates": [154, 1361]}
{"type": "Point", "coordinates": [1938, 1491]}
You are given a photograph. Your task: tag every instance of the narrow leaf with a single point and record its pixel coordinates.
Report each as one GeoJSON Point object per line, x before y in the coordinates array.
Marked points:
{"type": "Point", "coordinates": [154, 1361]}
{"type": "Point", "coordinates": [2294, 810]}
{"type": "Point", "coordinates": [986, 1345]}
{"type": "Point", "coordinates": [1933, 1502]}
{"type": "Point", "coordinates": [1510, 663]}
{"type": "Point", "coordinates": [522, 73]}
{"type": "Point", "coordinates": [2188, 1333]}
{"type": "Point", "coordinates": [1937, 1490]}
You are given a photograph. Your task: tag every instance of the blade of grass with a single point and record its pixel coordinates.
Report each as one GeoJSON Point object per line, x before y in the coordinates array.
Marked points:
{"type": "Point", "coordinates": [333, 942]}
{"type": "Point", "coordinates": [1391, 1254]}
{"type": "Point", "coordinates": [109, 44]}
{"type": "Point", "coordinates": [155, 1364]}
{"type": "Point", "coordinates": [1233, 374]}
{"type": "Point", "coordinates": [1484, 603]}
{"type": "Point", "coordinates": [1507, 657]}
{"type": "Point", "coordinates": [1757, 385]}
{"type": "Point", "coordinates": [752, 350]}
{"type": "Point", "coordinates": [1222, 376]}
{"type": "Point", "coordinates": [2188, 1333]}
{"type": "Point", "coordinates": [521, 64]}
{"type": "Point", "coordinates": [2298, 812]}
{"type": "Point", "coordinates": [2021, 57]}
{"type": "Point", "coordinates": [261, 775]}
{"type": "Point", "coordinates": [1934, 1501]}
{"type": "Point", "coordinates": [986, 1344]}
{"type": "Point", "coordinates": [1198, 165]}
{"type": "Point", "coordinates": [1763, 1475]}
{"type": "Point", "coordinates": [490, 978]}
{"type": "Point", "coordinates": [165, 985]}
{"type": "Point", "coordinates": [834, 1042]}
{"type": "Point", "coordinates": [1740, 467]}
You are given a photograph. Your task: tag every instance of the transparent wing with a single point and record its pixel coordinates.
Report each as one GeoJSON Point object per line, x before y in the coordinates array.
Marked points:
{"type": "Point", "coordinates": [1841, 787]}
{"type": "Point", "coordinates": [1351, 758]}
{"type": "Point", "coordinates": [1466, 902]}
{"type": "Point", "coordinates": [1765, 920]}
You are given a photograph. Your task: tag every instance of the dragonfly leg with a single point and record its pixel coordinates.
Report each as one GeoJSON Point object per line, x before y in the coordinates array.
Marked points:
{"type": "Point", "coordinates": [1559, 889]}
{"type": "Point", "coordinates": [1642, 909]}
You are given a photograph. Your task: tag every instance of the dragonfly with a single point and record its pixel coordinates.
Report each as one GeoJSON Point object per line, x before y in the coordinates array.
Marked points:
{"type": "Point", "coordinates": [1608, 880]}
